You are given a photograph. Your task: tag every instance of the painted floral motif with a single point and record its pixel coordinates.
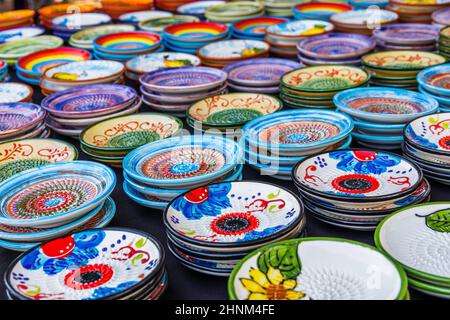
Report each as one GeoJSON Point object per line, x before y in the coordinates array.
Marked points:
{"type": "Point", "coordinates": [430, 132]}
{"type": "Point", "coordinates": [403, 60]}
{"type": "Point", "coordinates": [364, 162]}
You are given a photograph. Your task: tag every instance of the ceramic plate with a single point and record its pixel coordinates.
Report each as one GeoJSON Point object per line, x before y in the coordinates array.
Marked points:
{"type": "Point", "coordinates": [20, 48]}
{"type": "Point", "coordinates": [402, 60]}
{"type": "Point", "coordinates": [89, 265]}
{"type": "Point", "coordinates": [11, 92]}
{"type": "Point", "coordinates": [357, 174]}
{"type": "Point", "coordinates": [77, 21]}
{"type": "Point", "coordinates": [436, 79]}
{"type": "Point", "coordinates": [235, 9]}
{"type": "Point", "coordinates": [158, 25]}
{"type": "Point", "coordinates": [138, 16]}
{"type": "Point", "coordinates": [298, 29]}
{"type": "Point", "coordinates": [87, 36]}
{"type": "Point", "coordinates": [233, 50]}
{"type": "Point", "coordinates": [319, 10]}
{"type": "Point", "coordinates": [256, 27]}
{"type": "Point", "coordinates": [408, 33]}
{"type": "Point", "coordinates": [197, 7]}
{"type": "Point", "coordinates": [363, 18]}
{"type": "Point", "coordinates": [196, 31]}
{"type": "Point", "coordinates": [18, 117]}
{"type": "Point", "coordinates": [442, 16]}
{"type": "Point", "coordinates": [127, 42]}
{"type": "Point", "coordinates": [20, 33]}
{"type": "Point", "coordinates": [302, 269]}
{"type": "Point", "coordinates": [161, 60]}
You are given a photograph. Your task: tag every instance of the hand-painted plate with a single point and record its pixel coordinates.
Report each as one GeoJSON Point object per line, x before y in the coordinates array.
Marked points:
{"type": "Point", "coordinates": [319, 10]}
{"type": "Point", "coordinates": [408, 33]}
{"type": "Point", "coordinates": [436, 79]}
{"type": "Point", "coordinates": [87, 36]}
{"type": "Point", "coordinates": [402, 60]}
{"type": "Point", "coordinates": [197, 8]}
{"type": "Point", "coordinates": [161, 60]}
{"type": "Point", "coordinates": [88, 265]}
{"type": "Point", "coordinates": [20, 33]}
{"type": "Point", "coordinates": [302, 269]}
{"type": "Point", "coordinates": [357, 174]}
{"type": "Point", "coordinates": [127, 42]}
{"type": "Point", "coordinates": [158, 25]}
{"type": "Point", "coordinates": [233, 50]}
{"type": "Point", "coordinates": [20, 48]}
{"type": "Point", "coordinates": [442, 16]}
{"type": "Point", "coordinates": [15, 15]}
{"type": "Point", "coordinates": [18, 117]}
{"type": "Point", "coordinates": [235, 9]}
{"type": "Point", "coordinates": [298, 29]}
{"type": "Point", "coordinates": [256, 27]}
{"type": "Point", "coordinates": [138, 16]}
{"type": "Point", "coordinates": [196, 31]}
{"type": "Point", "coordinates": [363, 18]}
{"type": "Point", "coordinates": [11, 92]}
{"type": "Point", "coordinates": [77, 21]}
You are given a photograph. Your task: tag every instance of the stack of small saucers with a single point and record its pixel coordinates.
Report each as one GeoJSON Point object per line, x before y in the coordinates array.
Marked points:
{"type": "Point", "coordinates": [138, 16]}
{"type": "Point", "coordinates": [72, 110]}
{"type": "Point", "coordinates": [159, 24]}
{"type": "Point", "coordinates": [254, 28]}
{"type": "Point", "coordinates": [160, 171]}
{"type": "Point", "coordinates": [415, 237]}
{"type": "Point", "coordinates": [84, 39]}
{"type": "Point", "coordinates": [226, 114]}
{"type": "Point", "coordinates": [66, 25]}
{"type": "Point", "coordinates": [4, 76]}
{"type": "Point", "coordinates": [319, 10]}
{"type": "Point", "coordinates": [444, 42]}
{"type": "Point", "coordinates": [427, 142]}
{"type": "Point", "coordinates": [362, 21]}
{"type": "Point", "coordinates": [174, 90]}
{"type": "Point", "coordinates": [407, 36]}
{"type": "Point", "coordinates": [277, 8]}
{"type": "Point", "coordinates": [398, 68]}
{"type": "Point", "coordinates": [433, 82]}
{"type": "Point", "coordinates": [189, 37]}
{"type": "Point", "coordinates": [11, 92]}
{"type": "Point", "coordinates": [75, 74]}
{"type": "Point", "coordinates": [20, 34]}
{"type": "Point", "coordinates": [143, 64]}
{"type": "Point", "coordinates": [275, 143]}
{"type": "Point", "coordinates": [210, 228]}
{"type": "Point", "coordinates": [357, 188]}
{"type": "Point", "coordinates": [48, 13]}
{"type": "Point", "coordinates": [30, 68]}
{"type": "Point", "coordinates": [315, 86]}
{"type": "Point", "coordinates": [283, 38]}
{"type": "Point", "coordinates": [116, 8]}
{"type": "Point", "coordinates": [198, 8]}
{"type": "Point", "coordinates": [109, 141]}
{"type": "Point", "coordinates": [16, 18]}
{"type": "Point", "coordinates": [100, 264]}
{"type": "Point", "coordinates": [335, 48]}
{"type": "Point", "coordinates": [236, 10]}
{"type": "Point", "coordinates": [381, 114]}
{"type": "Point", "coordinates": [221, 53]}
{"type": "Point", "coordinates": [22, 120]}
{"type": "Point", "coordinates": [441, 17]}
{"type": "Point", "coordinates": [56, 199]}
{"type": "Point", "coordinates": [415, 11]}
{"type": "Point", "coordinates": [261, 75]}
{"type": "Point", "coordinates": [124, 46]}
{"type": "Point", "coordinates": [317, 269]}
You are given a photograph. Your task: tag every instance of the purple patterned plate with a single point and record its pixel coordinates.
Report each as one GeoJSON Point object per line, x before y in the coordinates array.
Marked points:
{"type": "Point", "coordinates": [317, 62]}
{"type": "Point", "coordinates": [336, 46]}
{"type": "Point", "coordinates": [265, 90]}
{"type": "Point", "coordinates": [388, 46]}
{"type": "Point", "coordinates": [89, 101]}
{"type": "Point", "coordinates": [408, 33]}
{"type": "Point", "coordinates": [442, 16]}
{"type": "Point", "coordinates": [19, 117]}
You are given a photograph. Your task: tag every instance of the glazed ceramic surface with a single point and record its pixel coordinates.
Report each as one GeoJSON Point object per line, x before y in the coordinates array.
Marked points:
{"type": "Point", "coordinates": [127, 42]}
{"type": "Point", "coordinates": [233, 49]}
{"type": "Point", "coordinates": [302, 269]}
{"type": "Point", "coordinates": [408, 33]}
{"type": "Point", "coordinates": [162, 60]}
{"type": "Point", "coordinates": [97, 264]}
{"type": "Point", "coordinates": [138, 16]}
{"type": "Point", "coordinates": [197, 7]}
{"type": "Point", "coordinates": [196, 31]}
{"type": "Point", "coordinates": [158, 25]}
{"type": "Point", "coordinates": [20, 33]}
{"type": "Point", "coordinates": [87, 36]}
{"type": "Point", "coordinates": [14, 92]}
{"type": "Point", "coordinates": [18, 117]}
{"type": "Point", "coordinates": [402, 60]}
{"type": "Point", "coordinates": [300, 28]}
{"type": "Point", "coordinates": [255, 27]}
{"type": "Point", "coordinates": [364, 18]}
{"type": "Point", "coordinates": [78, 21]}
{"type": "Point", "coordinates": [436, 80]}
{"type": "Point", "coordinates": [21, 48]}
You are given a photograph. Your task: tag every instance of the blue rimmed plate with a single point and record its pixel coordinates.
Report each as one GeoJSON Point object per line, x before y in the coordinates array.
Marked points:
{"type": "Point", "coordinates": [20, 33]}
{"type": "Point", "coordinates": [379, 128]}
{"type": "Point", "coordinates": [161, 60]}
{"type": "Point", "coordinates": [378, 140]}
{"type": "Point", "coordinates": [18, 117]}
{"type": "Point", "coordinates": [138, 16]}
{"type": "Point", "coordinates": [442, 100]}
{"type": "Point", "coordinates": [436, 80]}
{"type": "Point", "coordinates": [142, 199]}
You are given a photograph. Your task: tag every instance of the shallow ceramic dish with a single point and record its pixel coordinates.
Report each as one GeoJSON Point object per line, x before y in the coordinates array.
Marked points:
{"type": "Point", "coordinates": [441, 17]}
{"type": "Point", "coordinates": [19, 117]}
{"type": "Point", "coordinates": [426, 156]}
{"type": "Point", "coordinates": [357, 174]}
{"type": "Point", "coordinates": [143, 199]}
{"type": "Point", "coordinates": [130, 131]}
{"type": "Point", "coordinates": [300, 269]}
{"type": "Point", "coordinates": [233, 109]}
{"type": "Point", "coordinates": [357, 19]}
{"type": "Point", "coordinates": [54, 194]}
{"type": "Point", "coordinates": [196, 31]}
{"type": "Point", "coordinates": [12, 92]}
{"type": "Point", "coordinates": [197, 8]}
{"type": "Point", "coordinates": [319, 10]}
{"type": "Point", "coordinates": [261, 90]}
{"type": "Point", "coordinates": [408, 33]}
{"type": "Point", "coordinates": [380, 139]}
{"type": "Point", "coordinates": [189, 79]}
{"type": "Point", "coordinates": [159, 24]}
{"type": "Point", "coordinates": [77, 21]}
{"type": "Point", "coordinates": [421, 233]}
{"type": "Point", "coordinates": [298, 29]}
{"type": "Point", "coordinates": [138, 16]}
{"type": "Point", "coordinates": [106, 259]}
{"type": "Point", "coordinates": [401, 60]}
{"type": "Point", "coordinates": [384, 105]}
{"type": "Point", "coordinates": [436, 79]}
{"type": "Point", "coordinates": [20, 34]}
{"type": "Point", "coordinates": [181, 99]}
{"type": "Point", "coordinates": [20, 48]}
{"type": "Point", "coordinates": [443, 102]}
{"type": "Point", "coordinates": [161, 60]}
{"type": "Point", "coordinates": [233, 50]}
{"type": "Point", "coordinates": [127, 42]}
{"type": "Point", "coordinates": [377, 128]}
{"type": "Point", "coordinates": [255, 27]}
{"type": "Point", "coordinates": [86, 37]}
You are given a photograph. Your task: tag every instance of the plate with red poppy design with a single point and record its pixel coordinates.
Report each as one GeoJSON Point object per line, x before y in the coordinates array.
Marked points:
{"type": "Point", "coordinates": [233, 213]}
{"type": "Point", "coordinates": [357, 174]}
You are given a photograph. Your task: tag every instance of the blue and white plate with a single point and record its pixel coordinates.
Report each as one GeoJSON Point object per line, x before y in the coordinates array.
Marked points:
{"type": "Point", "coordinates": [436, 80]}
{"type": "Point", "coordinates": [197, 8]}
{"type": "Point", "coordinates": [77, 21]}
{"type": "Point", "coordinates": [139, 16]}
{"type": "Point", "coordinates": [20, 33]}
{"type": "Point", "coordinates": [14, 92]}
{"type": "Point", "coordinates": [161, 60]}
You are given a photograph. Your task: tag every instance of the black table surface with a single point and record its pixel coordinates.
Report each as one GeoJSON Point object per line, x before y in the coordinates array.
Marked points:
{"type": "Point", "coordinates": [184, 283]}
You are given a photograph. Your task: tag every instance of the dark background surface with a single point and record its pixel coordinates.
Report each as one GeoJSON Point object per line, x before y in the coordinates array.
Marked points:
{"type": "Point", "coordinates": [184, 283]}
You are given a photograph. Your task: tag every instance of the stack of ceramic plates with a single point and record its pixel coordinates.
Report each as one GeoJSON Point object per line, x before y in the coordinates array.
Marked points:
{"type": "Point", "coordinates": [66, 25]}
{"type": "Point", "coordinates": [20, 33]}
{"type": "Point", "coordinates": [198, 8]}
{"type": "Point", "coordinates": [22, 120]}
{"type": "Point", "coordinates": [319, 10]}
{"type": "Point", "coordinates": [415, 237]}
{"type": "Point", "coordinates": [381, 114]}
{"type": "Point", "coordinates": [100, 264]}
{"type": "Point", "coordinates": [30, 68]}
{"type": "Point", "coordinates": [110, 140]}
{"type": "Point", "coordinates": [15, 92]}
{"type": "Point", "coordinates": [364, 4]}
{"type": "Point", "coordinates": [84, 39]}
{"type": "Point", "coordinates": [317, 269]}
{"type": "Point", "coordinates": [116, 8]}
{"type": "Point", "coordinates": [283, 38]}
{"type": "Point", "coordinates": [433, 82]}
{"type": "Point", "coordinates": [261, 75]}
{"type": "Point", "coordinates": [314, 87]}
{"type": "Point", "coordinates": [334, 48]}
{"type": "Point", "coordinates": [210, 228]}
{"type": "Point", "coordinates": [226, 114]}
{"type": "Point", "coordinates": [14, 50]}
{"type": "Point", "coordinates": [170, 5]}
{"type": "Point", "coordinates": [49, 201]}
{"type": "Point", "coordinates": [407, 36]}
{"type": "Point", "coordinates": [189, 37]}
{"type": "Point", "coordinates": [277, 8]}
{"type": "Point", "coordinates": [160, 171]}
{"type": "Point", "coordinates": [444, 42]}
{"type": "Point", "coordinates": [48, 13]}
{"type": "Point", "coordinates": [357, 188]}
{"type": "Point", "coordinates": [174, 90]}
{"type": "Point", "coordinates": [30, 153]}
{"type": "Point", "coordinates": [398, 68]}
{"type": "Point", "coordinates": [72, 110]}
{"type": "Point", "coordinates": [275, 143]}
{"type": "Point", "coordinates": [124, 46]}
{"type": "Point", "coordinates": [4, 76]}
{"type": "Point", "coordinates": [139, 16]}
{"type": "Point", "coordinates": [362, 21]}
{"type": "Point", "coordinates": [416, 11]}
{"type": "Point", "coordinates": [221, 53]}
{"type": "Point", "coordinates": [159, 24]}
{"type": "Point", "coordinates": [236, 10]}
{"type": "Point", "coordinates": [75, 74]}
{"type": "Point", "coordinates": [16, 19]}
{"type": "Point", "coordinates": [427, 142]}
{"type": "Point", "coordinates": [441, 17]}
{"type": "Point", "coordinates": [142, 64]}
{"type": "Point", "coordinates": [254, 28]}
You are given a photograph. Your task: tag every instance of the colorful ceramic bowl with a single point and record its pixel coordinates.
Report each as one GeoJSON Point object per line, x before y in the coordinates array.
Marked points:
{"type": "Point", "coordinates": [18, 117]}
{"type": "Point", "coordinates": [408, 33]}
{"type": "Point", "coordinates": [255, 27]}
{"type": "Point", "coordinates": [300, 269]}
{"type": "Point", "coordinates": [197, 8]}
{"type": "Point", "coordinates": [196, 31]}
{"type": "Point", "coordinates": [233, 50]}
{"type": "Point", "coordinates": [85, 38]}
{"type": "Point", "coordinates": [138, 16]}
{"type": "Point", "coordinates": [12, 92]}
{"type": "Point", "coordinates": [127, 42]}
{"type": "Point", "coordinates": [159, 24]}
{"type": "Point", "coordinates": [401, 60]}
{"type": "Point", "coordinates": [298, 29]}
{"type": "Point", "coordinates": [20, 48]}
{"type": "Point", "coordinates": [441, 17]}
{"type": "Point", "coordinates": [319, 10]}
{"type": "Point", "coordinates": [20, 33]}
{"type": "Point", "coordinates": [234, 11]}
{"type": "Point", "coordinates": [436, 79]}
{"type": "Point", "coordinates": [78, 21]}
{"type": "Point", "coordinates": [363, 18]}
{"type": "Point", "coordinates": [161, 60]}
